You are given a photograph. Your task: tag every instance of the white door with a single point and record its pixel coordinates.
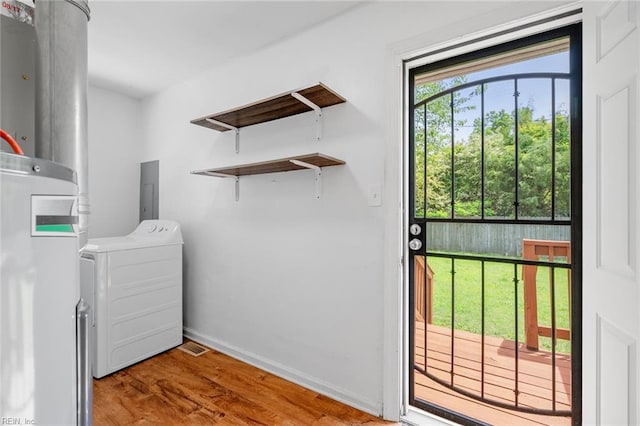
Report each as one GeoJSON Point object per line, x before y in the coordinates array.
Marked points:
{"type": "Point", "coordinates": [611, 299]}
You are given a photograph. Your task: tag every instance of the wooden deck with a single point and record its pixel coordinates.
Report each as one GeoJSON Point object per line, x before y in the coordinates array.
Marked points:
{"type": "Point", "coordinates": [534, 377]}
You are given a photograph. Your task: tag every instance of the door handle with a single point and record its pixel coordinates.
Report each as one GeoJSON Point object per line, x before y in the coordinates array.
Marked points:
{"type": "Point", "coordinates": [415, 233]}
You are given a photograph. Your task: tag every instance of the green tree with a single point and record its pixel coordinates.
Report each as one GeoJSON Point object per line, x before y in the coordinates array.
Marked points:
{"type": "Point", "coordinates": [433, 151]}
{"type": "Point", "coordinates": [432, 144]}
{"type": "Point", "coordinates": [563, 165]}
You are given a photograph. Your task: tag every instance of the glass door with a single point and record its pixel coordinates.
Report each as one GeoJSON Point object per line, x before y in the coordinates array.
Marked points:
{"type": "Point", "coordinates": [493, 233]}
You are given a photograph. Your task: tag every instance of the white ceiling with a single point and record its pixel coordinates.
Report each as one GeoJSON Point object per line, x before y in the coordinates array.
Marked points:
{"type": "Point", "coordinates": [141, 47]}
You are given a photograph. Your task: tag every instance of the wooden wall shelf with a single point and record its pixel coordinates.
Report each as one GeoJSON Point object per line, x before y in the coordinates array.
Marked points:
{"type": "Point", "coordinates": [312, 98]}
{"type": "Point", "coordinates": [273, 166]}
{"type": "Point", "coordinates": [300, 162]}
{"type": "Point", "coordinates": [273, 108]}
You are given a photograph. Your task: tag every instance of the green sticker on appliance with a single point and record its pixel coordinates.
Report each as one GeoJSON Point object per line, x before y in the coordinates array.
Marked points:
{"type": "Point", "coordinates": [54, 215]}
{"type": "Point", "coordinates": [55, 228]}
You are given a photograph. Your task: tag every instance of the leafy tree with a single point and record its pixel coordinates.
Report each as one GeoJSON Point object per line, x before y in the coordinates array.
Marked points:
{"type": "Point", "coordinates": [534, 163]}
{"type": "Point", "coordinates": [432, 140]}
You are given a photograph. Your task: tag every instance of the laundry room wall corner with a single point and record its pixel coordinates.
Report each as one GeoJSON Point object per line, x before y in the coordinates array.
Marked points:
{"type": "Point", "coordinates": [114, 162]}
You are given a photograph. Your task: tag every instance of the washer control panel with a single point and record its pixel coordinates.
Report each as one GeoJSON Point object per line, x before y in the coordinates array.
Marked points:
{"type": "Point", "coordinates": [166, 230]}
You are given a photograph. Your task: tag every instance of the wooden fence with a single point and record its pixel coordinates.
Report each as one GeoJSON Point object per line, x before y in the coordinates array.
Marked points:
{"type": "Point", "coordinates": [499, 239]}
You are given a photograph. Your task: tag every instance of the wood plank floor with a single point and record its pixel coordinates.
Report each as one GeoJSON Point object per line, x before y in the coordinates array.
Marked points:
{"type": "Point", "coordinates": [534, 379]}
{"type": "Point", "coordinates": [175, 388]}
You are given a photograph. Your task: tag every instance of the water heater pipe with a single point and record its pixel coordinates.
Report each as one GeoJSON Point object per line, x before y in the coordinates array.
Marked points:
{"type": "Point", "coordinates": [12, 142]}
{"type": "Point", "coordinates": [61, 92]}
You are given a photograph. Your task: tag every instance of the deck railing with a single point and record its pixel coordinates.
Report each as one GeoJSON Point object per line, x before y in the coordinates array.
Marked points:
{"type": "Point", "coordinates": [424, 293]}
{"type": "Point", "coordinates": [532, 250]}
{"type": "Point", "coordinates": [423, 289]}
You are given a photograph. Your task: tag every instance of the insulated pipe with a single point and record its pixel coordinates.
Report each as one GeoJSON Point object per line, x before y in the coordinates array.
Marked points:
{"type": "Point", "coordinates": [12, 142]}
{"type": "Point", "coordinates": [61, 92]}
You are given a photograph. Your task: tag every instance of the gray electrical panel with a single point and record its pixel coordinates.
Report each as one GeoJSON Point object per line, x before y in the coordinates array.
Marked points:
{"type": "Point", "coordinates": [149, 190]}
{"type": "Point", "coordinates": [17, 83]}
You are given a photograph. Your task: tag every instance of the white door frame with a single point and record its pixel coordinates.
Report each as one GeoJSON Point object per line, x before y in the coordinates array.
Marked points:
{"type": "Point", "coordinates": [396, 339]}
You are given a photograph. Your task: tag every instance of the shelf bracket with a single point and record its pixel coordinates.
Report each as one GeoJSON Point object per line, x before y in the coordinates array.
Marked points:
{"type": "Point", "coordinates": [230, 127]}
{"type": "Point", "coordinates": [316, 169]}
{"type": "Point", "coordinates": [316, 108]}
{"type": "Point", "coordinates": [222, 175]}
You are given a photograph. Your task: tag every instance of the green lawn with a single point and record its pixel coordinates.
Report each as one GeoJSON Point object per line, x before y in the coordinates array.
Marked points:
{"type": "Point", "coordinates": [499, 299]}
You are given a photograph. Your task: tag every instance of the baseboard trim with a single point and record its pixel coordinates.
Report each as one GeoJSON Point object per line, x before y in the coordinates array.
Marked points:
{"type": "Point", "coordinates": [286, 373]}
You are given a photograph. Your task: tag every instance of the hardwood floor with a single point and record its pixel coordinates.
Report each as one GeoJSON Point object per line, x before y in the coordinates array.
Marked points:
{"type": "Point", "coordinates": [176, 388]}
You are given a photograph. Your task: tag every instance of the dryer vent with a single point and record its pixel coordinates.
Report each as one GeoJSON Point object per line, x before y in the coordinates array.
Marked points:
{"type": "Point", "coordinates": [193, 349]}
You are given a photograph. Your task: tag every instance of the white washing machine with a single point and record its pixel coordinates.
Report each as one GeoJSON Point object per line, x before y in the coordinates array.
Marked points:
{"type": "Point", "coordinates": [135, 283]}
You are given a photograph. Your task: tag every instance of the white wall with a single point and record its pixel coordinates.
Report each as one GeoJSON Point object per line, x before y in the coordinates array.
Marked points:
{"type": "Point", "coordinates": [114, 162]}
{"type": "Point", "coordinates": [293, 284]}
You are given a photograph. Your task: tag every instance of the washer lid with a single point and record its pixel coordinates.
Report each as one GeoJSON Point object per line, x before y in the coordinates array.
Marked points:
{"type": "Point", "coordinates": [99, 245]}
{"type": "Point", "coordinates": [150, 233]}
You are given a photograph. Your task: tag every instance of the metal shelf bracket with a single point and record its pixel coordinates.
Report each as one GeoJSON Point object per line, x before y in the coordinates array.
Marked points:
{"type": "Point", "coordinates": [230, 127]}
{"type": "Point", "coordinates": [317, 170]}
{"type": "Point", "coordinates": [222, 175]}
{"type": "Point", "coordinates": [316, 108]}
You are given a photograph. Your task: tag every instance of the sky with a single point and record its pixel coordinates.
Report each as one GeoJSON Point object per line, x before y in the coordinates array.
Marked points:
{"type": "Point", "coordinates": [533, 92]}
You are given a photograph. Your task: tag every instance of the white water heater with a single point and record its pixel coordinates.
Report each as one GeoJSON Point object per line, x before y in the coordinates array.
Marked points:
{"type": "Point", "coordinates": [44, 350]}
{"type": "Point", "coordinates": [45, 370]}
